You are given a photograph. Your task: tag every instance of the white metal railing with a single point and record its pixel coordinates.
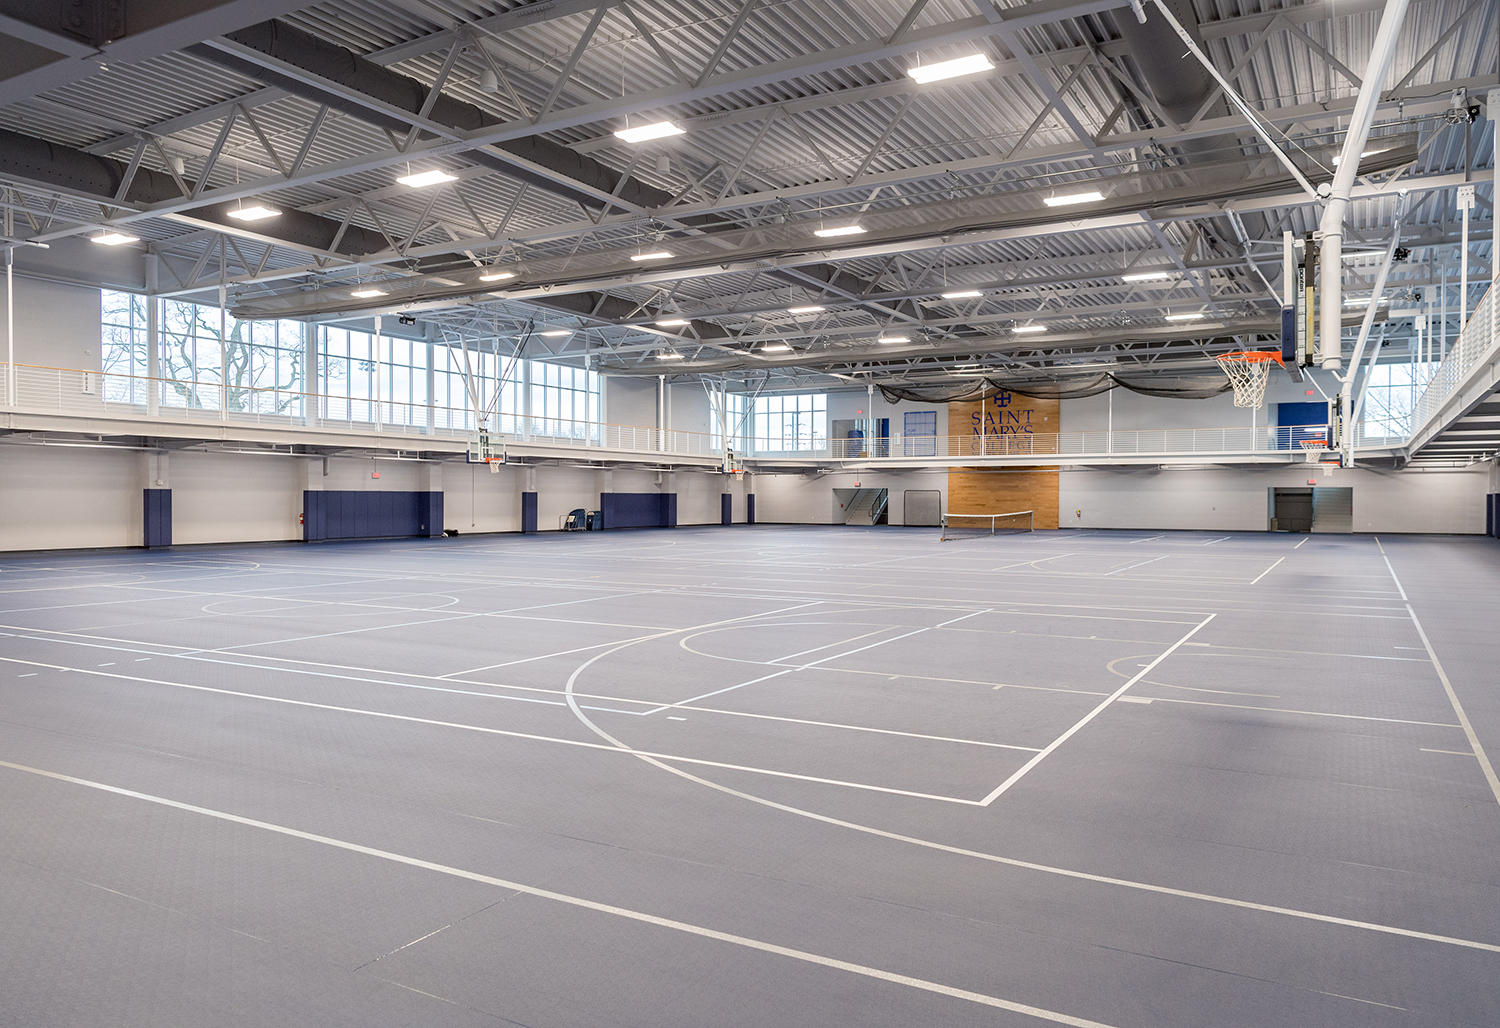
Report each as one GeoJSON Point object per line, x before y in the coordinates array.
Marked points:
{"type": "Point", "coordinates": [1474, 344]}
{"type": "Point", "coordinates": [93, 393]}
{"type": "Point", "coordinates": [1051, 445]}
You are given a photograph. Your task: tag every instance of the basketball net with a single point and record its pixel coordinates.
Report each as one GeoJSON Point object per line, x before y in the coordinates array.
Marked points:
{"type": "Point", "coordinates": [1248, 372]}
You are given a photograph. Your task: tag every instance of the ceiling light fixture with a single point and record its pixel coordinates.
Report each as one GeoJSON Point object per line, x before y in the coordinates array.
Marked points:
{"type": "Point", "coordinates": [895, 339]}
{"type": "Point", "coordinates": [1030, 328]}
{"type": "Point", "coordinates": [669, 357]}
{"type": "Point", "coordinates": [775, 348]}
{"type": "Point", "coordinates": [659, 255]}
{"type": "Point", "coordinates": [497, 276]}
{"type": "Point", "coordinates": [1093, 196]}
{"type": "Point", "coordinates": [962, 294]}
{"type": "Point", "coordinates": [1147, 276]}
{"type": "Point", "coordinates": [113, 239]}
{"type": "Point", "coordinates": [804, 310]}
{"type": "Point", "coordinates": [671, 322]}
{"type": "Point", "coordinates": [426, 178]}
{"type": "Point", "coordinates": [555, 333]}
{"type": "Point", "coordinates": [842, 230]}
{"type": "Point", "coordinates": [1185, 317]}
{"type": "Point", "coordinates": [1362, 156]}
{"type": "Point", "coordinates": [970, 65]}
{"type": "Point", "coordinates": [646, 133]}
{"type": "Point", "coordinates": [259, 212]}
{"type": "Point", "coordinates": [367, 294]}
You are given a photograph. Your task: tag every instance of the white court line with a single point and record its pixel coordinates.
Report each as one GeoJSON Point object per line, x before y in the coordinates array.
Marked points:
{"type": "Point", "coordinates": [576, 901]}
{"type": "Point", "coordinates": [1310, 713]}
{"type": "Point", "coordinates": [1463, 719]}
{"type": "Point", "coordinates": [1161, 890]}
{"type": "Point", "coordinates": [799, 667]}
{"type": "Point", "coordinates": [1148, 539]}
{"type": "Point", "coordinates": [600, 747]}
{"type": "Point", "coordinates": [1299, 545]}
{"type": "Point", "coordinates": [1270, 569]}
{"type": "Point", "coordinates": [1218, 540]}
{"type": "Point", "coordinates": [1142, 564]}
{"type": "Point", "coordinates": [1055, 743]}
{"type": "Point", "coordinates": [1451, 753]}
{"type": "Point", "coordinates": [1399, 587]}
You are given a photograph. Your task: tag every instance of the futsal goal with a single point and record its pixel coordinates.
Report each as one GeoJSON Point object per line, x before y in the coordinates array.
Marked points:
{"type": "Point", "coordinates": [973, 526]}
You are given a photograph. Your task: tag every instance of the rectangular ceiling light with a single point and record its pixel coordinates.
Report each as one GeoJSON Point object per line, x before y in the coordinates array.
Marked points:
{"type": "Point", "coordinates": [1362, 156]}
{"type": "Point", "coordinates": [842, 230]}
{"type": "Point", "coordinates": [1184, 317]}
{"type": "Point", "coordinates": [671, 322]}
{"type": "Point", "coordinates": [962, 294]}
{"type": "Point", "coordinates": [1148, 276]}
{"type": "Point", "coordinates": [895, 339]}
{"type": "Point", "coordinates": [1093, 196]}
{"type": "Point", "coordinates": [1030, 328]}
{"type": "Point", "coordinates": [804, 310]}
{"type": "Point", "coordinates": [645, 133]}
{"type": "Point", "coordinates": [555, 333]}
{"type": "Point", "coordinates": [367, 294]}
{"type": "Point", "coordinates": [260, 212]}
{"type": "Point", "coordinates": [426, 178]}
{"type": "Point", "coordinates": [669, 356]}
{"type": "Point", "coordinates": [969, 65]}
{"type": "Point", "coordinates": [497, 276]}
{"type": "Point", "coordinates": [775, 348]}
{"type": "Point", "coordinates": [114, 239]}
{"type": "Point", "coordinates": [659, 255]}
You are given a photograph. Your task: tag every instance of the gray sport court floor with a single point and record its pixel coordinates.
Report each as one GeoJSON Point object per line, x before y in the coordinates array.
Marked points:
{"type": "Point", "coordinates": [753, 777]}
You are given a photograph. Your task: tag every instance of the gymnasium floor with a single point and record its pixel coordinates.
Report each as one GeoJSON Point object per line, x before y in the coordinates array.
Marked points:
{"type": "Point", "coordinates": [762, 776]}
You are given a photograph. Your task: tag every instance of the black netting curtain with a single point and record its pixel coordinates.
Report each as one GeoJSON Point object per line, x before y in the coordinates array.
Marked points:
{"type": "Point", "coordinates": [1187, 387]}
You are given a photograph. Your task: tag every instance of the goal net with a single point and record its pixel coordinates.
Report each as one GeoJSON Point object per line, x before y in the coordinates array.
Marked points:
{"type": "Point", "coordinates": [974, 526]}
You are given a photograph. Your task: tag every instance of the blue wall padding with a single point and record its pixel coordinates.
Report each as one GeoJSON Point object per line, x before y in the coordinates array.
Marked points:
{"type": "Point", "coordinates": [749, 508]}
{"type": "Point", "coordinates": [349, 514]}
{"type": "Point", "coordinates": [528, 512]}
{"type": "Point", "coordinates": [1302, 413]}
{"type": "Point", "coordinates": [158, 517]}
{"type": "Point", "coordinates": [726, 508]}
{"type": "Point", "coordinates": [430, 514]}
{"type": "Point", "coordinates": [1492, 514]}
{"type": "Point", "coordinates": [638, 510]}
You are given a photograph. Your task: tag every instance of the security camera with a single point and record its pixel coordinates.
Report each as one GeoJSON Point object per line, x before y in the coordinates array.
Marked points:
{"type": "Point", "coordinates": [406, 319]}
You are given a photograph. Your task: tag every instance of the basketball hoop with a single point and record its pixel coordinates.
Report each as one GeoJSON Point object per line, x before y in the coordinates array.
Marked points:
{"type": "Point", "coordinates": [1248, 372]}
{"type": "Point", "coordinates": [1314, 448]}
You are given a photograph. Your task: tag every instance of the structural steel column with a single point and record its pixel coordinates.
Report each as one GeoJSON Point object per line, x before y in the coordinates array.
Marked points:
{"type": "Point", "coordinates": [1331, 328]}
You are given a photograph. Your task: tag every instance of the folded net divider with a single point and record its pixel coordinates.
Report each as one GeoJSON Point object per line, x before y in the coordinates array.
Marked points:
{"type": "Point", "coordinates": [974, 526]}
{"type": "Point", "coordinates": [1248, 371]}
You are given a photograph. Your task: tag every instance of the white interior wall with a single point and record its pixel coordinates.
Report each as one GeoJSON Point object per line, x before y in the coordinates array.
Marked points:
{"type": "Point", "coordinates": [1235, 499]}
{"type": "Point", "coordinates": [630, 401]}
{"type": "Point", "coordinates": [844, 406]}
{"type": "Point", "coordinates": [57, 325]}
{"type": "Point", "coordinates": [689, 408]}
{"type": "Point", "coordinates": [808, 499]}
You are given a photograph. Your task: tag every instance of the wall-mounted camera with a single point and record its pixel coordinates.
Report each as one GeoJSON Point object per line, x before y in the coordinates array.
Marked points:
{"type": "Point", "coordinates": [406, 319]}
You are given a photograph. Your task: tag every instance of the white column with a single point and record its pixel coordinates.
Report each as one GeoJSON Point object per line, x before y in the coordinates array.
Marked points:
{"type": "Point", "coordinates": [10, 324]}
{"type": "Point", "coordinates": [431, 387]}
{"type": "Point", "coordinates": [153, 338]}
{"type": "Point", "coordinates": [378, 375]}
{"type": "Point", "coordinates": [10, 308]}
{"type": "Point", "coordinates": [223, 341]}
{"type": "Point", "coordinates": [1384, 49]}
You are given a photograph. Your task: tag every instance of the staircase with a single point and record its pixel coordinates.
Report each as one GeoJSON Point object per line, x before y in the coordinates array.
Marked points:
{"type": "Point", "coordinates": [866, 508]}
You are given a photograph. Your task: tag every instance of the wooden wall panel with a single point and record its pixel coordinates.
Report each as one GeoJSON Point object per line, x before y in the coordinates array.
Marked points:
{"type": "Point", "coordinates": [1001, 491]}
